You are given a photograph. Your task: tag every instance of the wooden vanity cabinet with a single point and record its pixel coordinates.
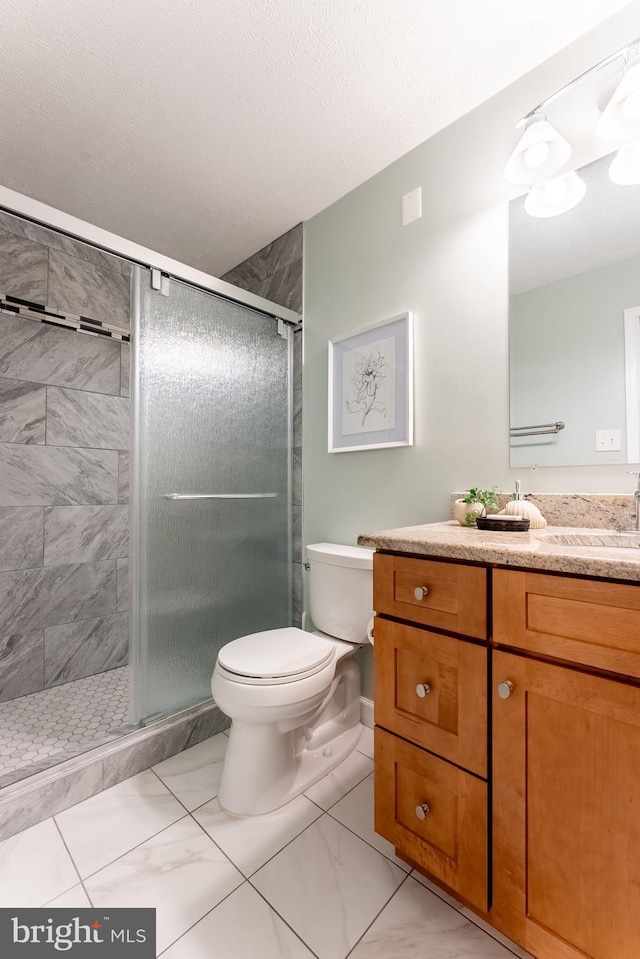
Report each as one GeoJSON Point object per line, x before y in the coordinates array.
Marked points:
{"type": "Point", "coordinates": [431, 797]}
{"type": "Point", "coordinates": [561, 787]}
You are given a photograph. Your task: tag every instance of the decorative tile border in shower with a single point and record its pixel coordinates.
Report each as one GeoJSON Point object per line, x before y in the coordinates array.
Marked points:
{"type": "Point", "coordinates": [46, 314]}
{"type": "Point", "coordinates": [29, 801]}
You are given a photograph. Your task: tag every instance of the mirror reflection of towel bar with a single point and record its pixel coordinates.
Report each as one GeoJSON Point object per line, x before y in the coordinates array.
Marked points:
{"type": "Point", "coordinates": [537, 430]}
{"type": "Point", "coordinates": [219, 495]}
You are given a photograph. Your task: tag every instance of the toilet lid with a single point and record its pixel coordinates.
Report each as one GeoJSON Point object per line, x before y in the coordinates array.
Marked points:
{"type": "Point", "coordinates": [276, 653]}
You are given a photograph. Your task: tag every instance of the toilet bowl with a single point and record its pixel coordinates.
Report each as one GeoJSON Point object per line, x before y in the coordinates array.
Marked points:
{"type": "Point", "coordinates": [294, 696]}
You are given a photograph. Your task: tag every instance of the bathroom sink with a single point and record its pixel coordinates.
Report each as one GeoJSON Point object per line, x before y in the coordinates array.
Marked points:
{"type": "Point", "coordinates": [605, 537]}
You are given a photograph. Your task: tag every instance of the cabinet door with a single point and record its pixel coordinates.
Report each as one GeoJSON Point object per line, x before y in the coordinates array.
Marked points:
{"type": "Point", "coordinates": [566, 811]}
{"type": "Point", "coordinates": [433, 812]}
{"type": "Point", "coordinates": [432, 689]}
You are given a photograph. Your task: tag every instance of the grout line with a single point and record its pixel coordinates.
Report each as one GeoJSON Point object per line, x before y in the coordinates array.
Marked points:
{"type": "Point", "coordinates": [208, 913]}
{"type": "Point", "coordinates": [64, 386]}
{"type": "Point", "coordinates": [137, 845]}
{"type": "Point", "coordinates": [273, 909]}
{"type": "Point", "coordinates": [377, 916]}
{"type": "Point", "coordinates": [55, 822]}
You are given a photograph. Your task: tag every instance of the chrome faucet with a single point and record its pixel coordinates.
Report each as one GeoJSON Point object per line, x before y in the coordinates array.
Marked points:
{"type": "Point", "coordinates": [637, 496]}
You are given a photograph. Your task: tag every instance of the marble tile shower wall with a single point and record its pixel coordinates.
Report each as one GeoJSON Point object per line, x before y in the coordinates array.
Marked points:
{"type": "Point", "coordinates": [64, 461]}
{"type": "Point", "coordinates": [275, 272]}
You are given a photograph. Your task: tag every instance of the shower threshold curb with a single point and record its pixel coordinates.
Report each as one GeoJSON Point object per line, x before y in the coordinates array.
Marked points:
{"type": "Point", "coordinates": [37, 797]}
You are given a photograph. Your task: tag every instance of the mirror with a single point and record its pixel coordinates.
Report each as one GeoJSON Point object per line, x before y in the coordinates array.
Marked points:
{"type": "Point", "coordinates": [574, 328]}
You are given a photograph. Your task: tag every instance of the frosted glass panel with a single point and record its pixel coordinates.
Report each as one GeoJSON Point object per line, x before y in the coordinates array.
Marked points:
{"type": "Point", "coordinates": [212, 400]}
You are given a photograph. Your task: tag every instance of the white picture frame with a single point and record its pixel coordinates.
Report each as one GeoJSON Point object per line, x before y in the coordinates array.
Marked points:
{"type": "Point", "coordinates": [371, 387]}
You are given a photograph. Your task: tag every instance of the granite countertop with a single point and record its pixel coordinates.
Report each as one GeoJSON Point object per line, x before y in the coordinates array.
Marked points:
{"type": "Point", "coordinates": [525, 550]}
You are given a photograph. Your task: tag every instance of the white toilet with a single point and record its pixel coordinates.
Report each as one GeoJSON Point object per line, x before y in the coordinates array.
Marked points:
{"type": "Point", "coordinates": [294, 696]}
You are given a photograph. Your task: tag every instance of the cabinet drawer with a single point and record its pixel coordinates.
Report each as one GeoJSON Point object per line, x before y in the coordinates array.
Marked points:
{"type": "Point", "coordinates": [596, 624]}
{"type": "Point", "coordinates": [450, 842]}
{"type": "Point", "coordinates": [450, 718]}
{"type": "Point", "coordinates": [455, 600]}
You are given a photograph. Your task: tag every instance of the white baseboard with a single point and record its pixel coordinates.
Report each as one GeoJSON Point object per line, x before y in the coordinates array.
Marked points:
{"type": "Point", "coordinates": [366, 712]}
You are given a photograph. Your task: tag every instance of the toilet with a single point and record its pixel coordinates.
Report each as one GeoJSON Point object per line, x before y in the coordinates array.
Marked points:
{"type": "Point", "coordinates": [294, 696]}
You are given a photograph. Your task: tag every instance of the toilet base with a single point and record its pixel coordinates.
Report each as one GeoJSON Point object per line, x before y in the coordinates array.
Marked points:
{"type": "Point", "coordinates": [238, 799]}
{"type": "Point", "coordinates": [268, 765]}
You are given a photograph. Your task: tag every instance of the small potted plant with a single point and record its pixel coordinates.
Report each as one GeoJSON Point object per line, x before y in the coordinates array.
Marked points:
{"type": "Point", "coordinates": [476, 503]}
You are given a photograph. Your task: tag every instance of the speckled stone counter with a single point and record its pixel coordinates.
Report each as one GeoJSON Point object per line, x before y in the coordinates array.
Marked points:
{"type": "Point", "coordinates": [524, 550]}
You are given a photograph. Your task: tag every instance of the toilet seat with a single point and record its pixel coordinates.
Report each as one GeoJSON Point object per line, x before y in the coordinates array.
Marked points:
{"type": "Point", "coordinates": [275, 656]}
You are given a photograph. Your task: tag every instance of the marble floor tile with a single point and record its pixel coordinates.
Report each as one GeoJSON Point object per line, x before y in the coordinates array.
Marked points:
{"type": "Point", "coordinates": [127, 814]}
{"type": "Point", "coordinates": [22, 411]}
{"type": "Point", "coordinates": [75, 898]}
{"type": "Point", "coordinates": [511, 946]}
{"type": "Point", "coordinates": [366, 742]}
{"type": "Point", "coordinates": [23, 268]}
{"type": "Point", "coordinates": [86, 290]}
{"type": "Point", "coordinates": [85, 534]}
{"type": "Point", "coordinates": [125, 369]}
{"type": "Point", "coordinates": [45, 476]}
{"type": "Point", "coordinates": [193, 775]}
{"type": "Point", "coordinates": [122, 585]}
{"type": "Point", "coordinates": [344, 777]}
{"type": "Point", "coordinates": [48, 354]}
{"type": "Point", "coordinates": [180, 872]}
{"type": "Point", "coordinates": [241, 927]}
{"type": "Point", "coordinates": [21, 537]}
{"type": "Point", "coordinates": [251, 841]}
{"type": "Point", "coordinates": [88, 420]}
{"type": "Point", "coordinates": [417, 923]}
{"type": "Point", "coordinates": [36, 598]}
{"type": "Point", "coordinates": [21, 665]}
{"type": "Point", "coordinates": [123, 476]}
{"type": "Point", "coordinates": [327, 864]}
{"type": "Point", "coordinates": [355, 812]}
{"type": "Point", "coordinates": [35, 867]}
{"type": "Point", "coordinates": [86, 648]}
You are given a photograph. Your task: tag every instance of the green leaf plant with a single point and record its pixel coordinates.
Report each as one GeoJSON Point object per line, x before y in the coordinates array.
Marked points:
{"type": "Point", "coordinates": [486, 497]}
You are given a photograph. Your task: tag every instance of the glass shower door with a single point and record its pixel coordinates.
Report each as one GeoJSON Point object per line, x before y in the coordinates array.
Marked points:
{"type": "Point", "coordinates": [211, 487]}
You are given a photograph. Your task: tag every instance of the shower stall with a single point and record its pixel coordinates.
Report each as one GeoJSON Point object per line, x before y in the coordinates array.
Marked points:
{"type": "Point", "coordinates": [208, 515]}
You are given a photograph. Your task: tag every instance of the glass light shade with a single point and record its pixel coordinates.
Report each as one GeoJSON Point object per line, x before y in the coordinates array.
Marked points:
{"type": "Point", "coordinates": [540, 153]}
{"type": "Point", "coordinates": [621, 117]}
{"type": "Point", "coordinates": [625, 167]}
{"type": "Point", "coordinates": [555, 196]}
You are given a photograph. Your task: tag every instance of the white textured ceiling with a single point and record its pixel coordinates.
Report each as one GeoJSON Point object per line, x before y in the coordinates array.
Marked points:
{"type": "Point", "coordinates": [205, 128]}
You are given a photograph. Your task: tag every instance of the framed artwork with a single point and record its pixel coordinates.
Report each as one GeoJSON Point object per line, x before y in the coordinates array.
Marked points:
{"type": "Point", "coordinates": [371, 387]}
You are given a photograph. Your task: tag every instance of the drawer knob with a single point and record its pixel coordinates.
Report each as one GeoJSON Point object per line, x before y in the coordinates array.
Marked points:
{"type": "Point", "coordinates": [505, 689]}
{"type": "Point", "coordinates": [422, 689]}
{"type": "Point", "coordinates": [420, 592]}
{"type": "Point", "coordinates": [422, 810]}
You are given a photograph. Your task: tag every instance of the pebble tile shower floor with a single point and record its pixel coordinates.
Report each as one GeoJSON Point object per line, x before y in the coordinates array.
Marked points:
{"type": "Point", "coordinates": [43, 729]}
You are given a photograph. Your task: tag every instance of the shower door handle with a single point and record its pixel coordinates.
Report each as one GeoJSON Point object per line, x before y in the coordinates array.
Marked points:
{"type": "Point", "coordinates": [219, 495]}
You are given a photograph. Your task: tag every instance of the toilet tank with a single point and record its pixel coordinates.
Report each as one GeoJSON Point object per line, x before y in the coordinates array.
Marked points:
{"type": "Point", "coordinates": [341, 590]}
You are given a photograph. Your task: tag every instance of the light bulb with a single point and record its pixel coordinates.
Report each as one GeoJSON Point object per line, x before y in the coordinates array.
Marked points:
{"type": "Point", "coordinates": [555, 196]}
{"type": "Point", "coordinates": [631, 105]}
{"type": "Point", "coordinates": [536, 154]}
{"type": "Point", "coordinates": [554, 190]}
{"type": "Point", "coordinates": [625, 168]}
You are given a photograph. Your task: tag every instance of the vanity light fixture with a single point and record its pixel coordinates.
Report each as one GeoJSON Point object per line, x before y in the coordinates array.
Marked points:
{"type": "Point", "coordinates": [555, 196]}
{"type": "Point", "coordinates": [540, 152]}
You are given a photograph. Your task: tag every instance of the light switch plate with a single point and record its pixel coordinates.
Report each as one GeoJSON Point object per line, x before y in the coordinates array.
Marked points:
{"type": "Point", "coordinates": [608, 441]}
{"type": "Point", "coordinates": [412, 206]}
